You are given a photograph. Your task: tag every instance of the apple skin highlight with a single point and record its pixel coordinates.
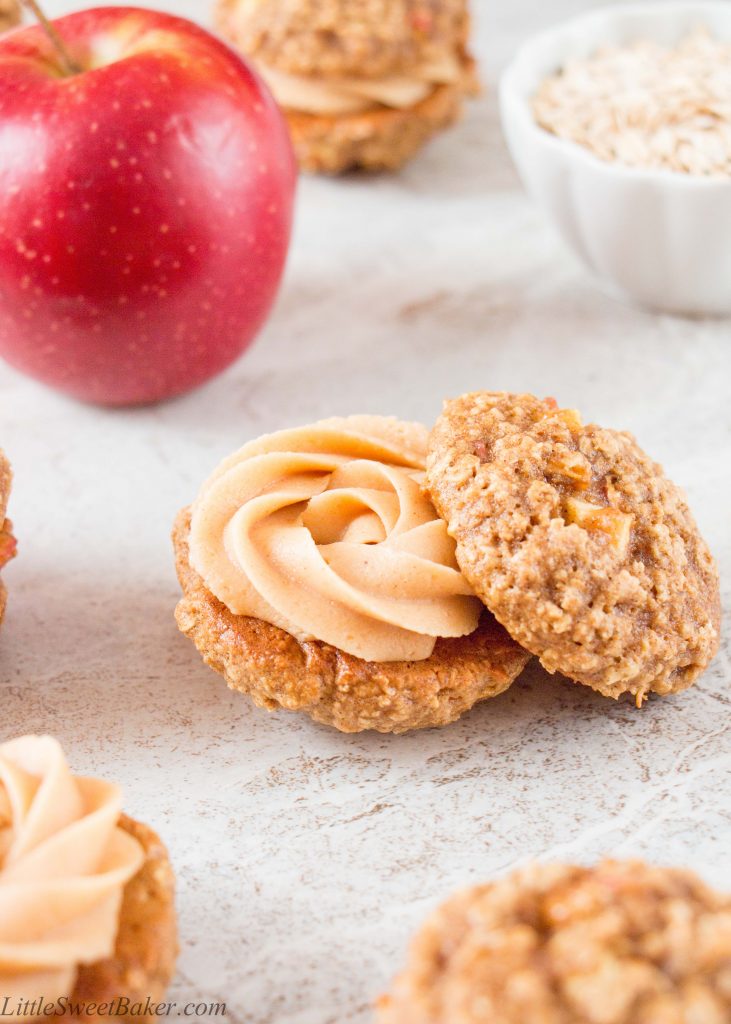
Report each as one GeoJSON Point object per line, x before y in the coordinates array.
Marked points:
{"type": "Point", "coordinates": [145, 205]}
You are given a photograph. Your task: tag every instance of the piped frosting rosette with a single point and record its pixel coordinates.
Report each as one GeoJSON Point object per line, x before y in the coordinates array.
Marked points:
{"type": "Point", "coordinates": [324, 531]}
{"type": "Point", "coordinates": [64, 863]}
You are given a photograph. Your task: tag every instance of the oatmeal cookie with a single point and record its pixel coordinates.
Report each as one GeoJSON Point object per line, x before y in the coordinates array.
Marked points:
{"type": "Point", "coordinates": [577, 542]}
{"type": "Point", "coordinates": [143, 964]}
{"type": "Point", "coordinates": [332, 687]}
{"type": "Point", "coordinates": [7, 541]}
{"type": "Point", "coordinates": [621, 943]}
{"type": "Point", "coordinates": [9, 14]}
{"type": "Point", "coordinates": [363, 83]}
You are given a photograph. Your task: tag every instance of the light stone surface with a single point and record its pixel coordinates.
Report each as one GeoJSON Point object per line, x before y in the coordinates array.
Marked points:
{"type": "Point", "coordinates": [305, 858]}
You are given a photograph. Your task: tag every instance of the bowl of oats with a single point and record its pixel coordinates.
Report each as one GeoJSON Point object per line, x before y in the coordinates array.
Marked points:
{"type": "Point", "coordinates": [619, 123]}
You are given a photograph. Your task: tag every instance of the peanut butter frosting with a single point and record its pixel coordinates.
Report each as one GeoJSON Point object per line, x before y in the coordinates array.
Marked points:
{"type": "Point", "coordinates": [339, 96]}
{"type": "Point", "coordinates": [64, 863]}
{"type": "Point", "coordinates": [324, 531]}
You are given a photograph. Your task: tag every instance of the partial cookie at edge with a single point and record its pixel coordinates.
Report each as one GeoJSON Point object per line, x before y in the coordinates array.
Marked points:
{"type": "Point", "coordinates": [334, 688]}
{"type": "Point", "coordinates": [629, 603]}
{"type": "Point", "coordinates": [6, 478]}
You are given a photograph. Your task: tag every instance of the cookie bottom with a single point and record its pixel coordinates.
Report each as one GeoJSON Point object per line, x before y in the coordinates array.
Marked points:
{"type": "Point", "coordinates": [377, 140]}
{"type": "Point", "coordinates": [144, 958]}
{"type": "Point", "coordinates": [3, 601]}
{"type": "Point", "coordinates": [557, 943]}
{"type": "Point", "coordinates": [278, 671]}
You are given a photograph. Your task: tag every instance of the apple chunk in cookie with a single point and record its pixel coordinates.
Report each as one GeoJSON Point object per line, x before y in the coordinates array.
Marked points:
{"type": "Point", "coordinates": [577, 542]}
{"type": "Point", "coordinates": [318, 576]}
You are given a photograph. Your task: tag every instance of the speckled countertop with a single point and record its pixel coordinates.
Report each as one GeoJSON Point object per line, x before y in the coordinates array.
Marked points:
{"type": "Point", "coordinates": [305, 858]}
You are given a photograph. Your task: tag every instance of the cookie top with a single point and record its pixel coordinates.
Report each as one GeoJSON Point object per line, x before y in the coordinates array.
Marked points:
{"type": "Point", "coordinates": [577, 542]}
{"type": "Point", "coordinates": [557, 944]}
{"type": "Point", "coordinates": [342, 38]}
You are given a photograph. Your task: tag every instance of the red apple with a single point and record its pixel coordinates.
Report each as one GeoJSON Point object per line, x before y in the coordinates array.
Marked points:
{"type": "Point", "coordinates": [145, 205]}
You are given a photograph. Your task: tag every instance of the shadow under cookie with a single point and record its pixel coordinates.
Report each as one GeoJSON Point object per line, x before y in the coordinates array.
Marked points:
{"type": "Point", "coordinates": [278, 671]}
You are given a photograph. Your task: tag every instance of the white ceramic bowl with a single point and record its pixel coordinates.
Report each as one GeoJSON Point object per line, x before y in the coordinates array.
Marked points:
{"type": "Point", "coordinates": [659, 237]}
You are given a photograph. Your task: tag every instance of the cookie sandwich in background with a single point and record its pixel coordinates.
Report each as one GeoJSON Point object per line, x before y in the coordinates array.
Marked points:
{"type": "Point", "coordinates": [362, 84]}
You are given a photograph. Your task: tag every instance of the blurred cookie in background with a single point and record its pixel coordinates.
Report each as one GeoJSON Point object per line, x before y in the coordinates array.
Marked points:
{"type": "Point", "coordinates": [364, 83]}
{"type": "Point", "coordinates": [621, 943]}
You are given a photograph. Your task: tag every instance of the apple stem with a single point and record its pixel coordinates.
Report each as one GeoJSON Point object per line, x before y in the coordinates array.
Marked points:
{"type": "Point", "coordinates": [68, 66]}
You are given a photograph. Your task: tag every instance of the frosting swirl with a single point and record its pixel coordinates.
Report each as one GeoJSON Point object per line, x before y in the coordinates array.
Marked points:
{"type": "Point", "coordinates": [63, 865]}
{"type": "Point", "coordinates": [324, 531]}
{"type": "Point", "coordinates": [338, 96]}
